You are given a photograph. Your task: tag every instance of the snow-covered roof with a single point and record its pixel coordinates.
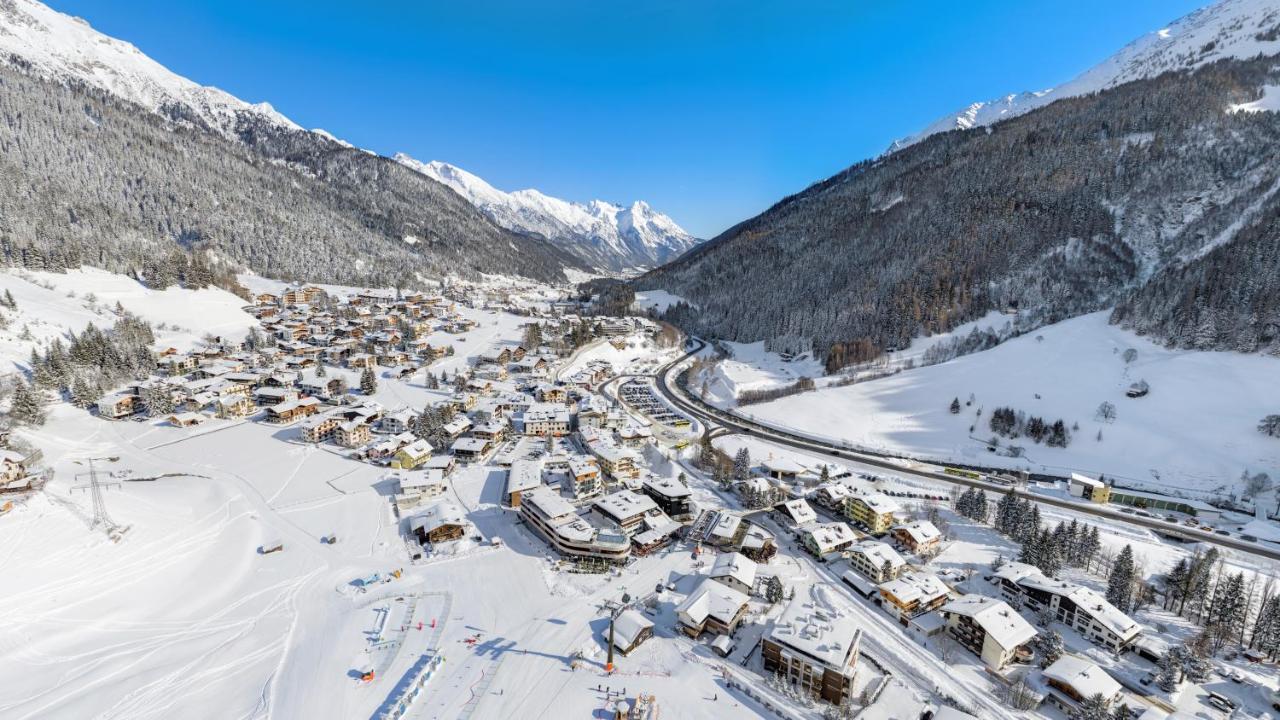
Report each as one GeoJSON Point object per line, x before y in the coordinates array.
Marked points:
{"type": "Point", "coordinates": [799, 511]}
{"type": "Point", "coordinates": [782, 465]}
{"type": "Point", "coordinates": [1079, 479]}
{"type": "Point", "coordinates": [1083, 676]}
{"type": "Point", "coordinates": [471, 445]}
{"type": "Point", "coordinates": [1085, 599]}
{"type": "Point", "coordinates": [736, 566]}
{"type": "Point", "coordinates": [666, 487]}
{"type": "Point", "coordinates": [524, 475]}
{"type": "Point", "coordinates": [627, 627]}
{"type": "Point", "coordinates": [712, 599]}
{"type": "Point", "coordinates": [878, 553]}
{"type": "Point", "coordinates": [828, 638]}
{"type": "Point", "coordinates": [879, 503]}
{"type": "Point", "coordinates": [915, 586]}
{"type": "Point", "coordinates": [726, 525]}
{"type": "Point", "coordinates": [625, 504]}
{"type": "Point", "coordinates": [827, 536]}
{"type": "Point", "coordinates": [921, 531]}
{"type": "Point", "coordinates": [1002, 623]}
{"type": "Point", "coordinates": [437, 516]}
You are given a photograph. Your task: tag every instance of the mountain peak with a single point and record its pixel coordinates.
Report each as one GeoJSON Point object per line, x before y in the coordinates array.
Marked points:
{"type": "Point", "coordinates": [607, 235]}
{"type": "Point", "coordinates": [1225, 29]}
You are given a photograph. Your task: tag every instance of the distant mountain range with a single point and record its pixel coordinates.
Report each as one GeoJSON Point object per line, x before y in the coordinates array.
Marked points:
{"type": "Point", "coordinates": [1236, 29]}
{"type": "Point", "coordinates": [1149, 184]}
{"type": "Point", "coordinates": [392, 220]}
{"type": "Point", "coordinates": [605, 235]}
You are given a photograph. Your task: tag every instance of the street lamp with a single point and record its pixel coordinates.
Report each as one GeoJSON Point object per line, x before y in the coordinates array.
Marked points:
{"type": "Point", "coordinates": [613, 615]}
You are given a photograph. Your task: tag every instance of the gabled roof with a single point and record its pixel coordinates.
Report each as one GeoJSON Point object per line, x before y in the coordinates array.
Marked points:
{"type": "Point", "coordinates": [1083, 676]}
{"type": "Point", "coordinates": [1002, 623]}
{"type": "Point", "coordinates": [736, 566]}
{"type": "Point", "coordinates": [712, 600]}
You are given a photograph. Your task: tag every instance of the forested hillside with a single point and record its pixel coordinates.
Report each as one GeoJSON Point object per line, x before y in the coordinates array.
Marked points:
{"type": "Point", "coordinates": [88, 178]}
{"type": "Point", "coordinates": [1154, 195]}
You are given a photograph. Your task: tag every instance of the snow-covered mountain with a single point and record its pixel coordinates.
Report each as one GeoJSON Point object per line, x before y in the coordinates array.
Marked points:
{"type": "Point", "coordinates": [67, 49]}
{"type": "Point", "coordinates": [1227, 29]}
{"type": "Point", "coordinates": [608, 236]}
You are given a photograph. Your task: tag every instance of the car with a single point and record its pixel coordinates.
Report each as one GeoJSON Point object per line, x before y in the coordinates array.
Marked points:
{"type": "Point", "coordinates": [1148, 679]}
{"type": "Point", "coordinates": [1173, 520]}
{"type": "Point", "coordinates": [1228, 702]}
{"type": "Point", "coordinates": [1219, 703]}
{"type": "Point", "coordinates": [1128, 511]}
{"type": "Point", "coordinates": [1221, 532]}
{"type": "Point", "coordinates": [1248, 538]}
{"type": "Point", "coordinates": [1236, 677]}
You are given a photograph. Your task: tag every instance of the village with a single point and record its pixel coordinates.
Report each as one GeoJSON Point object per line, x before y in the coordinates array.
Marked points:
{"type": "Point", "coordinates": [789, 586]}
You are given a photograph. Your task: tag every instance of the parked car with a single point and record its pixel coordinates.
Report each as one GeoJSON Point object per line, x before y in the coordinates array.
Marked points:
{"type": "Point", "coordinates": [1218, 703]}
{"type": "Point", "coordinates": [1221, 532]}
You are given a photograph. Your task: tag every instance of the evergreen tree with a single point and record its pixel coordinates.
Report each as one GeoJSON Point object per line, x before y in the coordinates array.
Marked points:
{"type": "Point", "coordinates": [1094, 707]}
{"type": "Point", "coordinates": [1227, 611]}
{"type": "Point", "coordinates": [955, 406]}
{"type": "Point", "coordinates": [368, 382]}
{"type": "Point", "coordinates": [773, 589]}
{"type": "Point", "coordinates": [9, 302]}
{"type": "Point", "coordinates": [320, 371]}
{"type": "Point", "coordinates": [1050, 647]}
{"type": "Point", "coordinates": [1049, 558]}
{"type": "Point", "coordinates": [981, 508]}
{"type": "Point", "coordinates": [1175, 583]}
{"type": "Point", "coordinates": [28, 405]}
{"type": "Point", "coordinates": [742, 464]}
{"type": "Point", "coordinates": [1121, 581]}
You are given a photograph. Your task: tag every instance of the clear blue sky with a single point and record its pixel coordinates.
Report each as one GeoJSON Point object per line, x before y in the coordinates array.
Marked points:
{"type": "Point", "coordinates": [709, 110]}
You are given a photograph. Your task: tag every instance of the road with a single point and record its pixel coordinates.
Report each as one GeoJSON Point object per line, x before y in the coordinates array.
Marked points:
{"type": "Point", "coordinates": [711, 417]}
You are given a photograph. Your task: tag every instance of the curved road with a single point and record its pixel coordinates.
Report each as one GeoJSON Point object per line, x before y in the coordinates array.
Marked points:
{"type": "Point", "coordinates": [711, 416]}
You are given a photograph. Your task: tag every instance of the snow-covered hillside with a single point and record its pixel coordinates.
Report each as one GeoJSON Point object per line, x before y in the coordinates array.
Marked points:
{"type": "Point", "coordinates": [65, 48]}
{"type": "Point", "coordinates": [607, 235]}
{"type": "Point", "coordinates": [1196, 430]}
{"type": "Point", "coordinates": [1226, 29]}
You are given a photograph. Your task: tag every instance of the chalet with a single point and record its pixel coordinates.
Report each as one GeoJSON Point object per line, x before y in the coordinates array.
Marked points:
{"type": "Point", "coordinates": [444, 463]}
{"type": "Point", "coordinates": [988, 628]}
{"type": "Point", "coordinates": [119, 405]}
{"type": "Point", "coordinates": [871, 511]}
{"type": "Point", "coordinates": [824, 540]}
{"type": "Point", "coordinates": [353, 433]}
{"type": "Point", "coordinates": [12, 467]}
{"type": "Point", "coordinates": [493, 430]}
{"type": "Point", "coordinates": [470, 449]}
{"type": "Point", "coordinates": [418, 487]}
{"type": "Point", "coordinates": [671, 496]}
{"type": "Point", "coordinates": [234, 406]}
{"type": "Point", "coordinates": [630, 629]}
{"type": "Point", "coordinates": [876, 560]}
{"type": "Point", "coordinates": [1078, 607]}
{"type": "Point", "coordinates": [1072, 680]}
{"type": "Point", "coordinates": [266, 299]}
{"type": "Point", "coordinates": [546, 419]}
{"type": "Point", "coordinates": [551, 394]}
{"type": "Point", "coordinates": [397, 422]}
{"type": "Point", "coordinates": [535, 366]}
{"type": "Point", "coordinates": [292, 411]}
{"type": "Point", "coordinates": [324, 388]}
{"type": "Point", "coordinates": [304, 295]}
{"type": "Point", "coordinates": [523, 476]}
{"type": "Point", "coordinates": [320, 428]}
{"type": "Point", "coordinates": [360, 361]}
{"type": "Point", "coordinates": [274, 395]}
{"type": "Point", "coordinates": [798, 513]}
{"type": "Point", "coordinates": [832, 496]}
{"type": "Point", "coordinates": [619, 464]}
{"type": "Point", "coordinates": [735, 570]}
{"type": "Point", "coordinates": [634, 436]}
{"type": "Point", "coordinates": [712, 607]}
{"type": "Point", "coordinates": [185, 419]}
{"type": "Point", "coordinates": [281, 379]}
{"type": "Point", "coordinates": [912, 594]}
{"type": "Point", "coordinates": [413, 455]}
{"type": "Point", "coordinates": [814, 650]}
{"type": "Point", "coordinates": [387, 448]}
{"type": "Point", "coordinates": [917, 537]}
{"type": "Point", "coordinates": [455, 427]}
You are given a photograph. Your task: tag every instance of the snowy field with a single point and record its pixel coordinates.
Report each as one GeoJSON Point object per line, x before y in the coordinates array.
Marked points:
{"type": "Point", "coordinates": [52, 304]}
{"type": "Point", "coordinates": [1195, 431]}
{"type": "Point", "coordinates": [656, 300]}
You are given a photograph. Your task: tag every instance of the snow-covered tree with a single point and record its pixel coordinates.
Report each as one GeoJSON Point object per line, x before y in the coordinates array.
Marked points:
{"type": "Point", "coordinates": [368, 382]}
{"type": "Point", "coordinates": [1270, 426]}
{"type": "Point", "coordinates": [28, 405]}
{"type": "Point", "coordinates": [742, 464]}
{"type": "Point", "coordinates": [1121, 581]}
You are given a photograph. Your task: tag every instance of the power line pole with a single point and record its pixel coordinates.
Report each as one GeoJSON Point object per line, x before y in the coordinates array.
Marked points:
{"type": "Point", "coordinates": [94, 486]}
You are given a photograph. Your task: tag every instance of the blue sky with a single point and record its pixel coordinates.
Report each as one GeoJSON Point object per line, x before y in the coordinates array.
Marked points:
{"type": "Point", "coordinates": [709, 110]}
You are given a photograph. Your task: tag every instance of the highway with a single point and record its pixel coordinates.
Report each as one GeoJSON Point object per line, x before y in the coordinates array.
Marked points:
{"type": "Point", "coordinates": [711, 417]}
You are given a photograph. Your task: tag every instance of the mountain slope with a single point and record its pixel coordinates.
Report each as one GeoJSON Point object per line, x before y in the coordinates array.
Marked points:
{"type": "Point", "coordinates": [604, 235]}
{"type": "Point", "coordinates": [110, 159]}
{"type": "Point", "coordinates": [1079, 205]}
{"type": "Point", "coordinates": [1231, 29]}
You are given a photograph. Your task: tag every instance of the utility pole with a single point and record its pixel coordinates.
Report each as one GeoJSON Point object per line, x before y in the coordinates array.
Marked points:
{"type": "Point", "coordinates": [614, 612]}
{"type": "Point", "coordinates": [94, 486]}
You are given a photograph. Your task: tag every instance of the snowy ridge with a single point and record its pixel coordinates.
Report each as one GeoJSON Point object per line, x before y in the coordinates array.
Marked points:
{"type": "Point", "coordinates": [606, 235]}
{"type": "Point", "coordinates": [66, 48]}
{"type": "Point", "coordinates": [1226, 29]}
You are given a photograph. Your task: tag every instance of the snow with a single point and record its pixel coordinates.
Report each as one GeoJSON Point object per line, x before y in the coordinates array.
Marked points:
{"type": "Point", "coordinates": [657, 300]}
{"type": "Point", "coordinates": [629, 233]}
{"type": "Point", "coordinates": [47, 310]}
{"type": "Point", "coordinates": [1269, 102]}
{"type": "Point", "coordinates": [63, 47]}
{"type": "Point", "coordinates": [1194, 432]}
{"type": "Point", "coordinates": [1225, 29]}
{"type": "Point", "coordinates": [751, 367]}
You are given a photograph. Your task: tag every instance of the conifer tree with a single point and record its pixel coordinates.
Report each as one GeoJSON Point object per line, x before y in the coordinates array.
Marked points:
{"type": "Point", "coordinates": [1121, 581]}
